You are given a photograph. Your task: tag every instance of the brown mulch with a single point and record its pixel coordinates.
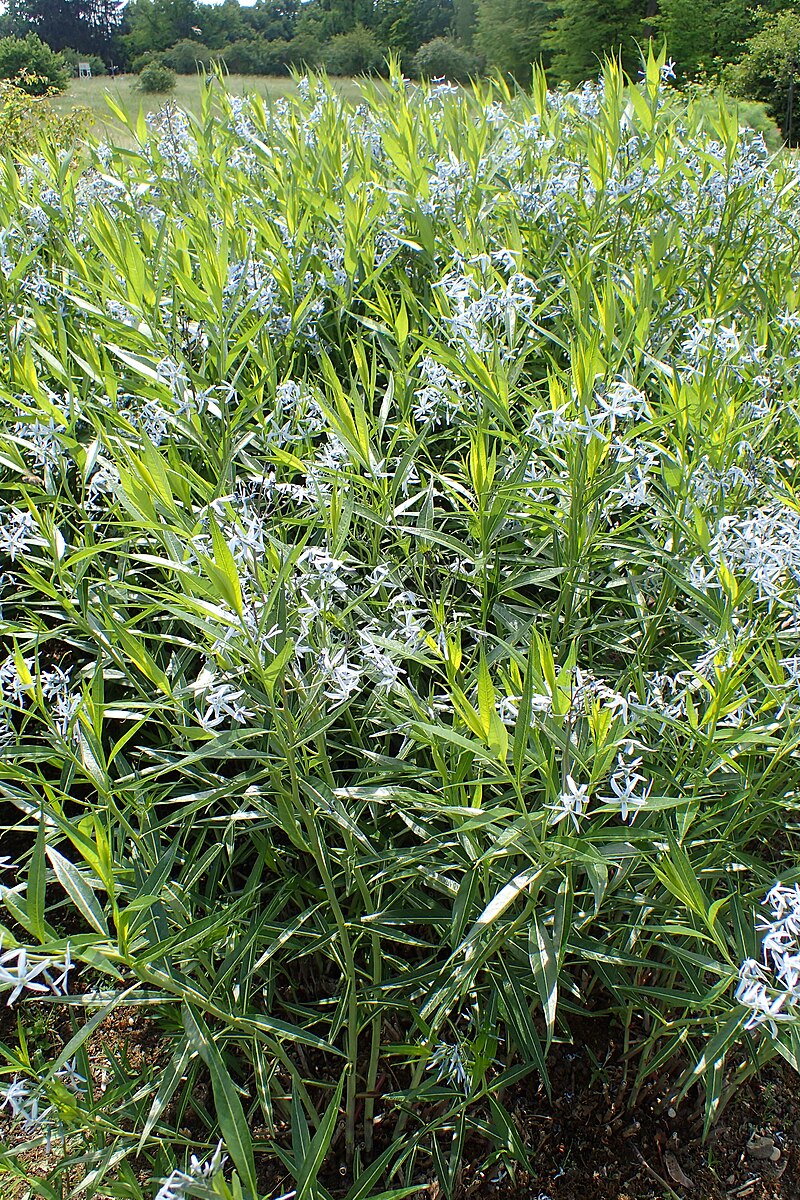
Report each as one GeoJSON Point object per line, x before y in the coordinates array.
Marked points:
{"type": "Point", "coordinates": [588, 1142]}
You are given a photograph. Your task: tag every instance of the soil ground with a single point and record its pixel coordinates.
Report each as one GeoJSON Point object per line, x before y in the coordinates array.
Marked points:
{"type": "Point", "coordinates": [586, 1143]}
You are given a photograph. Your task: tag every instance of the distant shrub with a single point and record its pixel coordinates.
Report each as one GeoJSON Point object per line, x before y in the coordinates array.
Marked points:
{"type": "Point", "coordinates": [186, 56]}
{"type": "Point", "coordinates": [32, 66]}
{"type": "Point", "coordinates": [276, 56]}
{"type": "Point", "coordinates": [239, 57]}
{"type": "Point", "coordinates": [355, 53]}
{"type": "Point", "coordinates": [305, 49]}
{"type": "Point", "coordinates": [142, 60]}
{"type": "Point", "coordinates": [768, 70]}
{"type": "Point", "coordinates": [445, 58]}
{"type": "Point", "coordinates": [28, 122]}
{"type": "Point", "coordinates": [271, 57]}
{"type": "Point", "coordinates": [243, 57]}
{"type": "Point", "coordinates": [73, 57]}
{"type": "Point", "coordinates": [156, 78]}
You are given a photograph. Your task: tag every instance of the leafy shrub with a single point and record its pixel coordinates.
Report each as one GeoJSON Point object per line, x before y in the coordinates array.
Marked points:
{"type": "Point", "coordinates": [29, 123]}
{"type": "Point", "coordinates": [769, 70]}
{"type": "Point", "coordinates": [275, 57]}
{"type": "Point", "coordinates": [355, 53]}
{"type": "Point", "coordinates": [257, 56]}
{"type": "Point", "coordinates": [73, 57]}
{"type": "Point", "coordinates": [32, 65]}
{"type": "Point", "coordinates": [445, 58]}
{"type": "Point", "coordinates": [187, 56]}
{"type": "Point", "coordinates": [305, 49]}
{"type": "Point", "coordinates": [243, 56]}
{"type": "Point", "coordinates": [143, 60]}
{"type": "Point", "coordinates": [400, 568]}
{"type": "Point", "coordinates": [156, 78]}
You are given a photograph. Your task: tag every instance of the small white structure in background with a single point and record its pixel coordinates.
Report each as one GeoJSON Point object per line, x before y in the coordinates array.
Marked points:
{"type": "Point", "coordinates": [84, 70]}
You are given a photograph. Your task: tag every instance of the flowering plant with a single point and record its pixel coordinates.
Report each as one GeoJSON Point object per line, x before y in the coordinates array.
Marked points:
{"type": "Point", "coordinates": [399, 565]}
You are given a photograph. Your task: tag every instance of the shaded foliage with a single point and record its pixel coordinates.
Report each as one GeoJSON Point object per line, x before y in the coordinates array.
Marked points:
{"type": "Point", "coordinates": [769, 70]}
{"type": "Point", "coordinates": [32, 65]}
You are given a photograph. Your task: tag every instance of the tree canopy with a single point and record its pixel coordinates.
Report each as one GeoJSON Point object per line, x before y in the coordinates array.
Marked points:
{"type": "Point", "coordinates": [750, 44]}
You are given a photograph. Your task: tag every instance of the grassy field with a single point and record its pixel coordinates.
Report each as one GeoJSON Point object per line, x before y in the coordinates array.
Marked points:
{"type": "Point", "coordinates": [91, 94]}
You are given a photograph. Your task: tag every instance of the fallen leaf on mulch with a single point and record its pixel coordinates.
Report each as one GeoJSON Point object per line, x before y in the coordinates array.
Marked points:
{"type": "Point", "coordinates": [674, 1170]}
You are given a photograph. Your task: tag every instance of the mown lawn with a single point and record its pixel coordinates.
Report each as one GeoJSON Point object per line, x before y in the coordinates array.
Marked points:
{"type": "Point", "coordinates": [92, 93]}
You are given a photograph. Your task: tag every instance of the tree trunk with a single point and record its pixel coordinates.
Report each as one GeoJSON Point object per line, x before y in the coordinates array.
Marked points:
{"type": "Point", "coordinates": [652, 11]}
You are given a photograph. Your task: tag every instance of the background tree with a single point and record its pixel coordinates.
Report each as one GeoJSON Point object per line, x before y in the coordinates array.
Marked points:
{"type": "Point", "coordinates": [586, 31]}
{"type": "Point", "coordinates": [465, 20]}
{"type": "Point", "coordinates": [769, 70]}
{"type": "Point", "coordinates": [221, 24]}
{"type": "Point", "coordinates": [510, 34]}
{"type": "Point", "coordinates": [158, 24]}
{"type": "Point", "coordinates": [272, 19]}
{"type": "Point", "coordinates": [84, 25]}
{"type": "Point", "coordinates": [31, 65]}
{"type": "Point", "coordinates": [404, 25]}
{"type": "Point", "coordinates": [102, 20]}
{"type": "Point", "coordinates": [357, 52]}
{"type": "Point", "coordinates": [703, 34]}
{"type": "Point", "coordinates": [341, 16]}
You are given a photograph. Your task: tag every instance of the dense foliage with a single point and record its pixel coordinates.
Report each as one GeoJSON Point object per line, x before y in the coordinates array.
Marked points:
{"type": "Point", "coordinates": [770, 71]}
{"type": "Point", "coordinates": [400, 549]}
{"type": "Point", "coordinates": [445, 58]}
{"type": "Point", "coordinates": [88, 26]}
{"type": "Point", "coordinates": [73, 58]}
{"type": "Point", "coordinates": [357, 52]}
{"type": "Point", "coordinates": [28, 122]}
{"type": "Point", "coordinates": [568, 37]}
{"type": "Point", "coordinates": [32, 66]}
{"type": "Point", "coordinates": [155, 78]}
{"type": "Point", "coordinates": [188, 56]}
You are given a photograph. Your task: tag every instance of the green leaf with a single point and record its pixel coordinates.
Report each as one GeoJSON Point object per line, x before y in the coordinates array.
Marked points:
{"type": "Point", "coordinates": [521, 1022]}
{"type": "Point", "coordinates": [228, 574]}
{"type": "Point", "coordinates": [35, 891]}
{"type": "Point", "coordinates": [544, 963]}
{"type": "Point", "coordinates": [170, 1079]}
{"type": "Point", "coordinates": [230, 1113]}
{"type": "Point", "coordinates": [78, 890]}
{"type": "Point", "coordinates": [320, 1143]}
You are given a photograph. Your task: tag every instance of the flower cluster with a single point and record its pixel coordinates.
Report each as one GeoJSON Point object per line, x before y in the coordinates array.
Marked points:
{"type": "Point", "coordinates": [770, 988]}
{"type": "Point", "coordinates": [37, 1113]}
{"type": "Point", "coordinates": [764, 545]}
{"type": "Point", "coordinates": [22, 971]}
{"type": "Point", "coordinates": [451, 1066]}
{"type": "Point", "coordinates": [20, 684]}
{"type": "Point", "coordinates": [175, 1185]}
